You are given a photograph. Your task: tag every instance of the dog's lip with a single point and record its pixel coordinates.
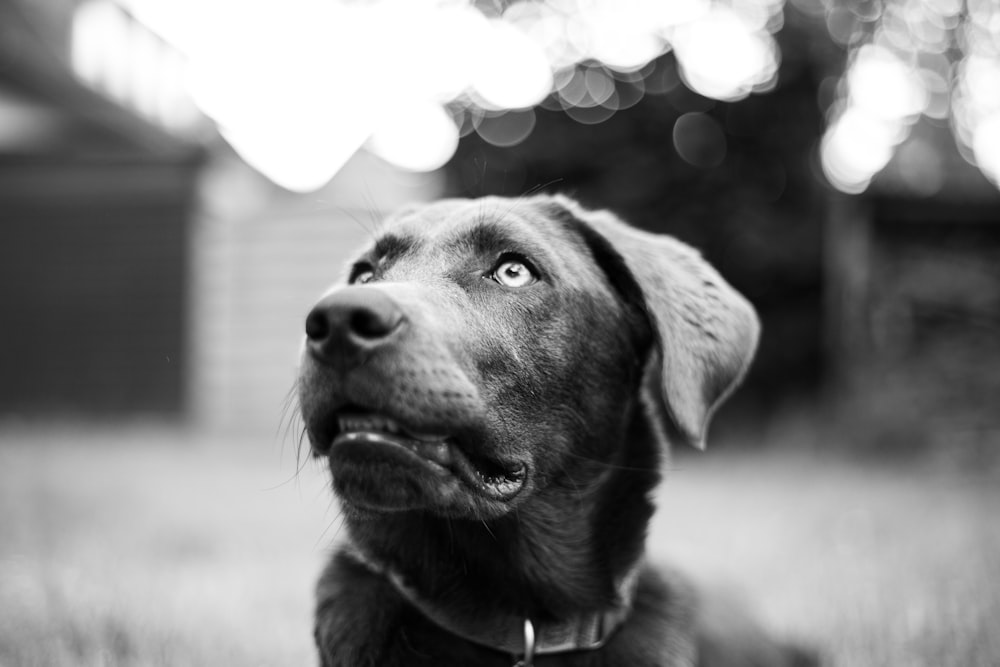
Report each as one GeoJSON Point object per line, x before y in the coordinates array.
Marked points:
{"type": "Point", "coordinates": [498, 480]}
{"type": "Point", "coordinates": [437, 452]}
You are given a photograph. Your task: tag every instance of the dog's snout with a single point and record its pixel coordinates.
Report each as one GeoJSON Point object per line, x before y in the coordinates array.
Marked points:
{"type": "Point", "coordinates": [350, 319]}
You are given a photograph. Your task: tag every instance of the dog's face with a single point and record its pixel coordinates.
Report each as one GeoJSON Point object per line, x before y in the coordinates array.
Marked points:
{"type": "Point", "coordinates": [483, 351]}
{"type": "Point", "coordinates": [505, 333]}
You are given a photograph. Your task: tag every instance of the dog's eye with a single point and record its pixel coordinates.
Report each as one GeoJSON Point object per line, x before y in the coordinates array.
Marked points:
{"type": "Point", "coordinates": [361, 274]}
{"type": "Point", "coordinates": [513, 273]}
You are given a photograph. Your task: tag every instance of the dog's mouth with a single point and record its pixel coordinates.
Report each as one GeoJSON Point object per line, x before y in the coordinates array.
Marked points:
{"type": "Point", "coordinates": [438, 453]}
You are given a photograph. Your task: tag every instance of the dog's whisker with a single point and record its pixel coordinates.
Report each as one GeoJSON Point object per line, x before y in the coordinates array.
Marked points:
{"type": "Point", "coordinates": [293, 478]}
{"type": "Point", "coordinates": [289, 407]}
{"type": "Point", "coordinates": [296, 425]}
{"type": "Point", "coordinates": [482, 177]}
{"type": "Point", "coordinates": [535, 189]}
{"type": "Point", "coordinates": [606, 465]}
{"type": "Point", "coordinates": [506, 213]}
{"type": "Point", "coordinates": [325, 537]}
{"type": "Point", "coordinates": [369, 227]}
{"type": "Point", "coordinates": [338, 516]}
{"type": "Point", "coordinates": [302, 444]}
{"type": "Point", "coordinates": [488, 529]}
{"type": "Point", "coordinates": [451, 535]}
{"type": "Point", "coordinates": [300, 461]}
{"type": "Point", "coordinates": [281, 430]}
{"type": "Point", "coordinates": [565, 472]}
{"type": "Point", "coordinates": [372, 208]}
{"type": "Point", "coordinates": [291, 421]}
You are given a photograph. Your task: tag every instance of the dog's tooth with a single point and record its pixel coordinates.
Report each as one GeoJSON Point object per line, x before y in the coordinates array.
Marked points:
{"type": "Point", "coordinates": [348, 424]}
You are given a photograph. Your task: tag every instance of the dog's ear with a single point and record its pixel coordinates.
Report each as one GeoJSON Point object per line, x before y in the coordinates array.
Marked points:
{"type": "Point", "coordinates": [706, 332]}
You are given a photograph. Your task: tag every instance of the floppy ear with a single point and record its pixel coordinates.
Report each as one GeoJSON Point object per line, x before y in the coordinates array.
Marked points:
{"type": "Point", "coordinates": [706, 332]}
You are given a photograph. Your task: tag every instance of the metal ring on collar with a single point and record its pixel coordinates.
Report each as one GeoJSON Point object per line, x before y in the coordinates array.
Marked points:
{"type": "Point", "coordinates": [529, 645]}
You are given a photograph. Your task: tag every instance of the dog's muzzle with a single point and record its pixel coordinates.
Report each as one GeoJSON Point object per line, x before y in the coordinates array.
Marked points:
{"type": "Point", "coordinates": [398, 417]}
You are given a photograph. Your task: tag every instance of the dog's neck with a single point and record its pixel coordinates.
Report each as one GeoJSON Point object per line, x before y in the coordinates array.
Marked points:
{"type": "Point", "coordinates": [568, 550]}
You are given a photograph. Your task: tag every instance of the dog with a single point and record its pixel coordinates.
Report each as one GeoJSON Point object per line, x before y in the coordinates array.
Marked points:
{"type": "Point", "coordinates": [495, 388]}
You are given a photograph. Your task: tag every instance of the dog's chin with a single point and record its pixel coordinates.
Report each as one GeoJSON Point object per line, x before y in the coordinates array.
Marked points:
{"type": "Point", "coordinates": [376, 472]}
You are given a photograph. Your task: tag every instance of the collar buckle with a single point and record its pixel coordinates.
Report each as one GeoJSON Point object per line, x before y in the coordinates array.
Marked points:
{"type": "Point", "coordinates": [529, 645]}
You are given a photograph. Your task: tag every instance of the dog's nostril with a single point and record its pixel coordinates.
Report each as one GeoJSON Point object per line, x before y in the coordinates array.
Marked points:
{"type": "Point", "coordinates": [317, 325]}
{"type": "Point", "coordinates": [371, 324]}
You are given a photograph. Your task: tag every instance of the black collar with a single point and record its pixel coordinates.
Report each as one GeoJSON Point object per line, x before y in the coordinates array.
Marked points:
{"type": "Point", "coordinates": [518, 635]}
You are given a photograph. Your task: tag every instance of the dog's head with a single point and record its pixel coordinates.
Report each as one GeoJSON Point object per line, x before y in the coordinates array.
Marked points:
{"type": "Point", "coordinates": [485, 350]}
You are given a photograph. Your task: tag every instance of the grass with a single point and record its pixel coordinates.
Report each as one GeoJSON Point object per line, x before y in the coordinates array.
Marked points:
{"type": "Point", "coordinates": [145, 546]}
{"type": "Point", "coordinates": [156, 547]}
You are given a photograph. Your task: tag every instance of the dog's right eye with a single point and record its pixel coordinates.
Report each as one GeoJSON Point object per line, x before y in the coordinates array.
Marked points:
{"type": "Point", "coordinates": [361, 274]}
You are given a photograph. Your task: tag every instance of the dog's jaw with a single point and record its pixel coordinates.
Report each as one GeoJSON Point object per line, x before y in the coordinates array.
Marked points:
{"type": "Point", "coordinates": [434, 472]}
{"type": "Point", "coordinates": [419, 438]}
{"type": "Point", "coordinates": [540, 560]}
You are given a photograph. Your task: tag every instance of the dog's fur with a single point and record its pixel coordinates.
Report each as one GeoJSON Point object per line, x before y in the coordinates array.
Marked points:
{"type": "Point", "coordinates": [563, 391]}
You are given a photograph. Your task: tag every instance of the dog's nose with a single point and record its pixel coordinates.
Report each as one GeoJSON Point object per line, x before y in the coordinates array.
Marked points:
{"type": "Point", "coordinates": [350, 319]}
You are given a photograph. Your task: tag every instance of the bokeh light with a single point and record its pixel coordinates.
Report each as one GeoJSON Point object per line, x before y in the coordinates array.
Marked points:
{"type": "Point", "coordinates": [283, 81]}
{"type": "Point", "coordinates": [937, 60]}
{"type": "Point", "coordinates": [270, 74]}
{"type": "Point", "coordinates": [511, 71]}
{"type": "Point", "coordinates": [884, 96]}
{"type": "Point", "coordinates": [699, 140]}
{"type": "Point", "coordinates": [722, 56]}
{"type": "Point", "coordinates": [423, 139]}
{"type": "Point", "coordinates": [506, 129]}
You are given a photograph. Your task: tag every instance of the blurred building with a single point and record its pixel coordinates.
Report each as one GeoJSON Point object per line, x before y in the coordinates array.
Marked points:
{"type": "Point", "coordinates": [145, 270]}
{"type": "Point", "coordinates": [260, 258]}
{"type": "Point", "coordinates": [94, 226]}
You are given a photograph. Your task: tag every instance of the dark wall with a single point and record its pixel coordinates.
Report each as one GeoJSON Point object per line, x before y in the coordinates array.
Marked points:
{"type": "Point", "coordinates": [92, 286]}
